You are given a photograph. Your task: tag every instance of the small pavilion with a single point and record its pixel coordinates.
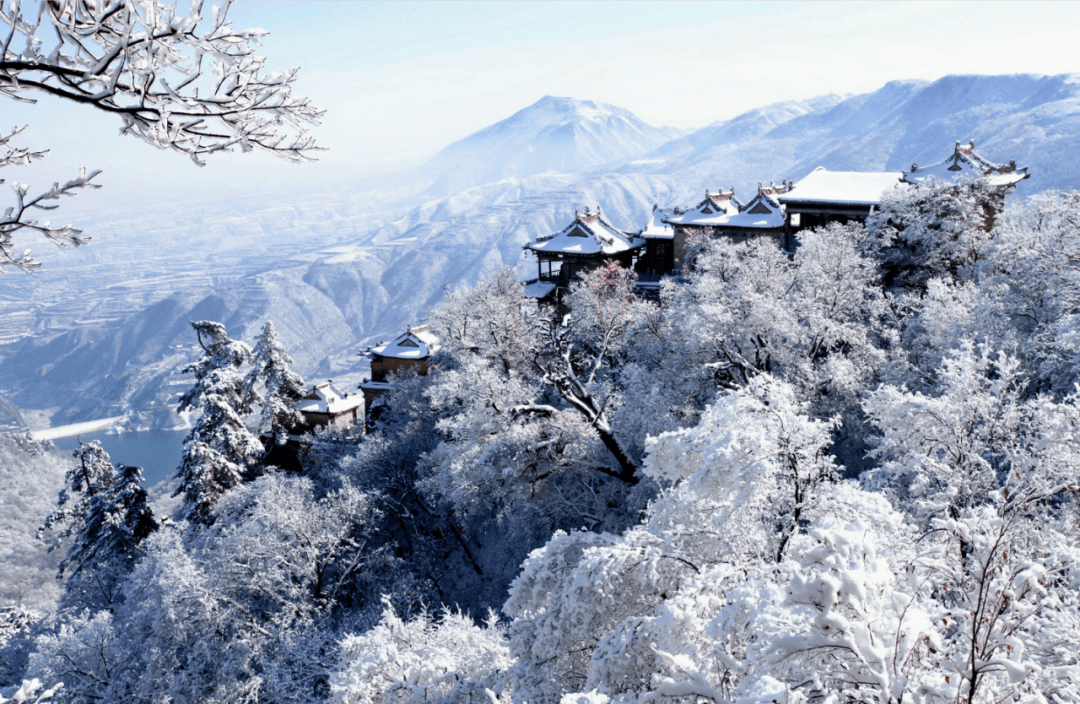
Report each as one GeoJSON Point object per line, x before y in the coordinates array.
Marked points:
{"type": "Point", "coordinates": [965, 163]}
{"type": "Point", "coordinates": [584, 244]}
{"type": "Point", "coordinates": [409, 351]}
{"type": "Point", "coordinates": [326, 406]}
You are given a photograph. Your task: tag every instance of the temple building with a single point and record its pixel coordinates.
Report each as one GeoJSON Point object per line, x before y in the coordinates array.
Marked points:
{"type": "Point", "coordinates": [700, 222]}
{"type": "Point", "coordinates": [586, 243]}
{"type": "Point", "coordinates": [720, 214]}
{"type": "Point", "coordinates": [778, 212]}
{"type": "Point", "coordinates": [835, 196]}
{"type": "Point", "coordinates": [409, 351]}
{"type": "Point", "coordinates": [326, 406]}
{"type": "Point", "coordinates": [659, 236]}
{"type": "Point", "coordinates": [965, 163]}
{"type": "Point", "coordinates": [762, 216]}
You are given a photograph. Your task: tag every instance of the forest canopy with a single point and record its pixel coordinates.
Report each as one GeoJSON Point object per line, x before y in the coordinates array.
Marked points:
{"type": "Point", "coordinates": [843, 474]}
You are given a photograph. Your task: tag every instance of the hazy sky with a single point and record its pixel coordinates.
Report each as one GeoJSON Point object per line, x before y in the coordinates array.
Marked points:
{"type": "Point", "coordinates": [401, 80]}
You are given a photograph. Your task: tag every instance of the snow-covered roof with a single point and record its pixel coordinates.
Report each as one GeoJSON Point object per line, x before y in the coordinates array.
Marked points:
{"type": "Point", "coordinates": [965, 163]}
{"type": "Point", "coordinates": [539, 289]}
{"type": "Point", "coordinates": [847, 187]}
{"type": "Point", "coordinates": [657, 227]}
{"type": "Point", "coordinates": [764, 212]}
{"type": "Point", "coordinates": [327, 398]}
{"type": "Point", "coordinates": [589, 233]}
{"type": "Point", "coordinates": [415, 343]}
{"type": "Point", "coordinates": [710, 211]}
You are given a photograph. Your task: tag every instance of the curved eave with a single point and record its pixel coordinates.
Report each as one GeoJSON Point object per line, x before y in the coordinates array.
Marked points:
{"type": "Point", "coordinates": [752, 228]}
{"type": "Point", "coordinates": [539, 248]}
{"type": "Point", "coordinates": [830, 204]}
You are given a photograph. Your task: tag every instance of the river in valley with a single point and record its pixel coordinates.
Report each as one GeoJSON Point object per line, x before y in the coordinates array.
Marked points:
{"type": "Point", "coordinates": [156, 451]}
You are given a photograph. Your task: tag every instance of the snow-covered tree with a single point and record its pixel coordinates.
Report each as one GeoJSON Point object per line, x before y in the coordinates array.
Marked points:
{"type": "Point", "coordinates": [143, 61]}
{"type": "Point", "coordinates": [1033, 269]}
{"type": "Point", "coordinates": [978, 442]}
{"type": "Point", "coordinates": [577, 350]}
{"type": "Point", "coordinates": [513, 460]}
{"type": "Point", "coordinates": [489, 319]}
{"type": "Point", "coordinates": [18, 629]}
{"type": "Point", "coordinates": [88, 655]}
{"type": "Point", "coordinates": [236, 612]}
{"type": "Point", "coordinates": [809, 320]}
{"type": "Point", "coordinates": [30, 477]}
{"type": "Point", "coordinates": [605, 611]}
{"type": "Point", "coordinates": [282, 387]}
{"type": "Point", "coordinates": [425, 660]}
{"type": "Point", "coordinates": [91, 475]}
{"type": "Point", "coordinates": [990, 476]}
{"type": "Point", "coordinates": [117, 521]}
{"type": "Point", "coordinates": [934, 229]}
{"type": "Point", "coordinates": [220, 451]}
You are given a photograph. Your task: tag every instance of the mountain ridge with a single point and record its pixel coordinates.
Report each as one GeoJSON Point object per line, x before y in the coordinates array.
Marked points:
{"type": "Point", "coordinates": [359, 277]}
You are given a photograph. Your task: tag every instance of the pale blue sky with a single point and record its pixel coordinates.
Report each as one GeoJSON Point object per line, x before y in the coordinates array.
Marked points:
{"type": "Point", "coordinates": [402, 80]}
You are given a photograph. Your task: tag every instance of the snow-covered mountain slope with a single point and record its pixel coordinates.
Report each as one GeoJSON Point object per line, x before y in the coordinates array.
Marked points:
{"type": "Point", "coordinates": [552, 135]}
{"type": "Point", "coordinates": [1034, 120]}
{"type": "Point", "coordinates": [336, 270]}
{"type": "Point", "coordinates": [746, 126]}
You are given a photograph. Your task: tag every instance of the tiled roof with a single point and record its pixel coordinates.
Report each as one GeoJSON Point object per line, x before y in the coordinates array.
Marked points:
{"type": "Point", "coordinates": [327, 398]}
{"type": "Point", "coordinates": [966, 163]}
{"type": "Point", "coordinates": [415, 343]}
{"type": "Point", "coordinates": [710, 211]}
{"type": "Point", "coordinates": [842, 187]}
{"type": "Point", "coordinates": [589, 233]}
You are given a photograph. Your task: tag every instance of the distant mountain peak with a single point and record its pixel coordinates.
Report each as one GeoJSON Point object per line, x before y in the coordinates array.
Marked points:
{"type": "Point", "coordinates": [553, 134]}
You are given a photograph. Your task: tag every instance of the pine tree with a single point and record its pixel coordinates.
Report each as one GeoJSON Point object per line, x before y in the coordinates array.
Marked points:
{"type": "Point", "coordinates": [220, 452]}
{"type": "Point", "coordinates": [117, 521]}
{"type": "Point", "coordinates": [92, 474]}
{"type": "Point", "coordinates": [283, 387]}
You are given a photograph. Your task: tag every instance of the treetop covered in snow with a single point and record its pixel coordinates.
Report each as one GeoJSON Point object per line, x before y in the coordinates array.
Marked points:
{"type": "Point", "coordinates": [966, 163]}
{"type": "Point", "coordinates": [853, 187]}
{"type": "Point", "coordinates": [589, 233]}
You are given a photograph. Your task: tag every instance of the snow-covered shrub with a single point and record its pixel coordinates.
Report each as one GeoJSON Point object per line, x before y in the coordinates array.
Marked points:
{"type": "Point", "coordinates": [426, 660]}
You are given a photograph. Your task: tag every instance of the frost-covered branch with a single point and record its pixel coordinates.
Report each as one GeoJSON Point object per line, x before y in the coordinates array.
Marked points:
{"type": "Point", "coordinates": [176, 79]}
{"type": "Point", "coordinates": [559, 371]}
{"type": "Point", "coordinates": [18, 218]}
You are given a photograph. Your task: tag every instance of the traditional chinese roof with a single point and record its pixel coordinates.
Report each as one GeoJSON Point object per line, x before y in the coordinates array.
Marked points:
{"type": "Point", "coordinates": [863, 188]}
{"type": "Point", "coordinates": [763, 212]}
{"type": "Point", "coordinates": [965, 163]}
{"type": "Point", "coordinates": [589, 234]}
{"type": "Point", "coordinates": [657, 228]}
{"type": "Point", "coordinates": [415, 343]}
{"type": "Point", "coordinates": [327, 399]}
{"type": "Point", "coordinates": [710, 211]}
{"type": "Point", "coordinates": [539, 289]}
